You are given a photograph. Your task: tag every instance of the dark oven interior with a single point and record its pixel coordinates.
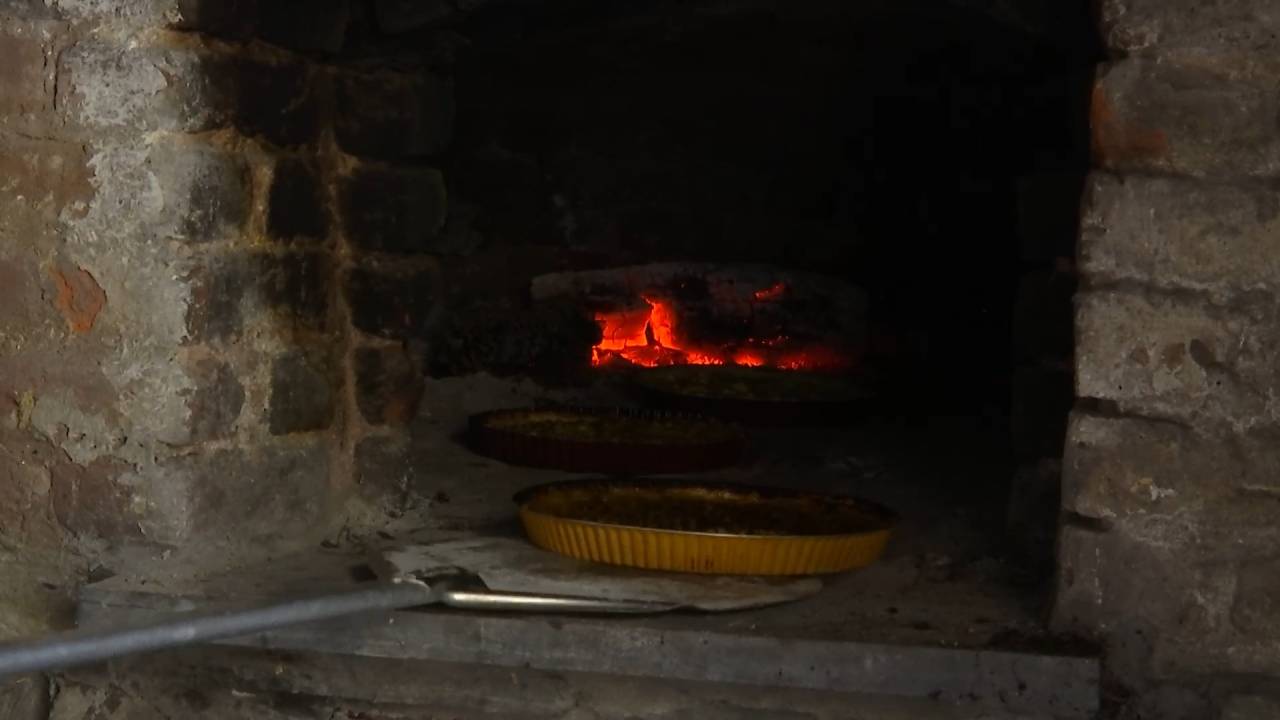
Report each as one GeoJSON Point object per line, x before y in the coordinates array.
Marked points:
{"type": "Point", "coordinates": [886, 191]}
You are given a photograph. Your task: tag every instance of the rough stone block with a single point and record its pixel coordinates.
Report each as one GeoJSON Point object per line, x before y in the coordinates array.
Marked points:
{"type": "Point", "coordinates": [32, 10]}
{"type": "Point", "coordinates": [1109, 584]}
{"type": "Point", "coordinates": [1250, 707]}
{"type": "Point", "coordinates": [388, 385]}
{"type": "Point", "coordinates": [93, 499]}
{"type": "Point", "coordinates": [1188, 114]}
{"type": "Point", "coordinates": [216, 402]}
{"type": "Point", "coordinates": [1178, 232]}
{"type": "Point", "coordinates": [297, 207]}
{"type": "Point", "coordinates": [390, 304]}
{"type": "Point", "coordinates": [204, 189]}
{"type": "Point", "coordinates": [214, 309]}
{"type": "Point", "coordinates": [1178, 658]}
{"type": "Point", "coordinates": [25, 698]}
{"type": "Point", "coordinates": [44, 179]}
{"type": "Point", "coordinates": [393, 116]}
{"type": "Point", "coordinates": [1163, 585]}
{"type": "Point", "coordinates": [1256, 610]}
{"type": "Point", "coordinates": [28, 52]}
{"type": "Point", "coordinates": [384, 471]}
{"type": "Point", "coordinates": [302, 394]}
{"type": "Point", "coordinates": [1232, 25]}
{"type": "Point", "coordinates": [106, 86]}
{"type": "Point", "coordinates": [304, 24]}
{"type": "Point", "coordinates": [1171, 356]}
{"type": "Point", "coordinates": [295, 286]}
{"type": "Point", "coordinates": [276, 100]}
{"type": "Point", "coordinates": [274, 492]}
{"type": "Point", "coordinates": [393, 210]}
{"type": "Point", "coordinates": [26, 515]}
{"type": "Point", "coordinates": [1117, 467]}
{"type": "Point", "coordinates": [1141, 599]}
{"type": "Point", "coordinates": [130, 14]}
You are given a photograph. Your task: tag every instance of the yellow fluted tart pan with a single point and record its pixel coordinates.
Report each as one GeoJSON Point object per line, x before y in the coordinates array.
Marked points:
{"type": "Point", "coordinates": [709, 528]}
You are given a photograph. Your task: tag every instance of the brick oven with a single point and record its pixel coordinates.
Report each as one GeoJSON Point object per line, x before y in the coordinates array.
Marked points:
{"type": "Point", "coordinates": [261, 259]}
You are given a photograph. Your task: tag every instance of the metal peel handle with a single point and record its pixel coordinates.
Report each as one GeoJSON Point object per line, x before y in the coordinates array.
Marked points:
{"type": "Point", "coordinates": [80, 647]}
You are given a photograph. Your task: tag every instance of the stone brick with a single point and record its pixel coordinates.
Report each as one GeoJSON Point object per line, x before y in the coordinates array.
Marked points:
{"type": "Point", "coordinates": [1166, 701]}
{"type": "Point", "coordinates": [389, 115]}
{"type": "Point", "coordinates": [104, 86]}
{"type": "Point", "coordinates": [1042, 398]}
{"type": "Point", "coordinates": [32, 10]}
{"type": "Point", "coordinates": [1232, 25]}
{"type": "Point", "coordinates": [385, 471]}
{"type": "Point", "coordinates": [1108, 584]}
{"type": "Point", "coordinates": [295, 286]}
{"type": "Point", "coordinates": [276, 491]}
{"type": "Point", "coordinates": [304, 24]}
{"type": "Point", "coordinates": [388, 385]}
{"type": "Point", "coordinates": [1250, 707]}
{"type": "Point", "coordinates": [390, 304]}
{"type": "Point", "coordinates": [46, 177]}
{"type": "Point", "coordinates": [397, 16]}
{"type": "Point", "coordinates": [276, 100]}
{"type": "Point", "coordinates": [1159, 581]}
{"type": "Point", "coordinates": [1116, 467]}
{"type": "Point", "coordinates": [1184, 233]}
{"type": "Point", "coordinates": [91, 500]}
{"type": "Point", "coordinates": [216, 401]}
{"type": "Point", "coordinates": [302, 395]}
{"type": "Point", "coordinates": [1256, 610]}
{"type": "Point", "coordinates": [297, 207]}
{"type": "Point", "coordinates": [1159, 608]}
{"type": "Point", "coordinates": [122, 14]}
{"type": "Point", "coordinates": [217, 289]}
{"type": "Point", "coordinates": [28, 52]}
{"type": "Point", "coordinates": [395, 211]}
{"type": "Point", "coordinates": [205, 191]}
{"type": "Point", "coordinates": [1188, 114]}
{"type": "Point", "coordinates": [25, 698]}
{"type": "Point", "coordinates": [1178, 658]}
{"type": "Point", "coordinates": [1157, 577]}
{"type": "Point", "coordinates": [1172, 356]}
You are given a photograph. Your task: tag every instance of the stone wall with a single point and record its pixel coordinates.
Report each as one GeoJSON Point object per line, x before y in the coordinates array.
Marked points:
{"type": "Point", "coordinates": [212, 227]}
{"type": "Point", "coordinates": [1169, 548]}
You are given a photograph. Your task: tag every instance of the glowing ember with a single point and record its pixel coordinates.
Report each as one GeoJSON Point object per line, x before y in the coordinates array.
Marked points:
{"type": "Point", "coordinates": [651, 337]}
{"type": "Point", "coordinates": [773, 292]}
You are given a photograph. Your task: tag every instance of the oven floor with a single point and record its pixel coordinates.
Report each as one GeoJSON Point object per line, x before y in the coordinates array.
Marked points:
{"type": "Point", "coordinates": [946, 580]}
{"type": "Point", "coordinates": [944, 608]}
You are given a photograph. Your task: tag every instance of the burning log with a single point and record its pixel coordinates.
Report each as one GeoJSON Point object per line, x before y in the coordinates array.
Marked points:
{"type": "Point", "coordinates": [704, 314]}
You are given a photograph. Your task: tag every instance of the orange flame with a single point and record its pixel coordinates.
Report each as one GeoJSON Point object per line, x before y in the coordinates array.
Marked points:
{"type": "Point", "coordinates": [651, 337]}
